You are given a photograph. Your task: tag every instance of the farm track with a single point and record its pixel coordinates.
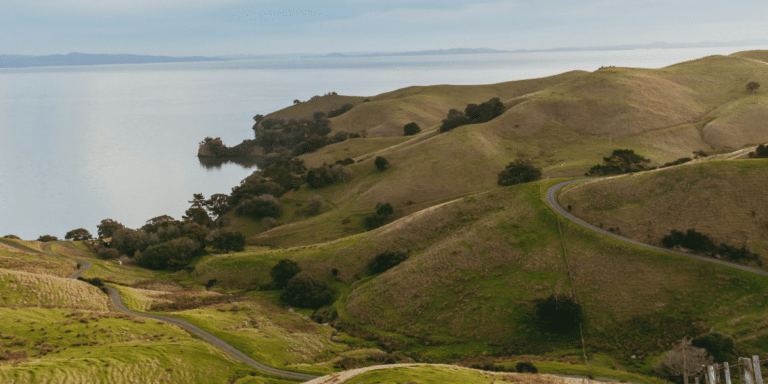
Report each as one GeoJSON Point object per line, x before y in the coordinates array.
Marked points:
{"type": "Point", "coordinates": [552, 201]}
{"type": "Point", "coordinates": [118, 303]}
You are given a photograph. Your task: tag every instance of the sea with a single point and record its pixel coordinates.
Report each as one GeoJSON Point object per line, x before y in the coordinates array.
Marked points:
{"type": "Point", "coordinates": [81, 144]}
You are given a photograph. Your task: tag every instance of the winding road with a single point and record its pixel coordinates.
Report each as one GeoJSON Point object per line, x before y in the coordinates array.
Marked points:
{"type": "Point", "coordinates": [552, 201]}
{"type": "Point", "coordinates": [118, 303]}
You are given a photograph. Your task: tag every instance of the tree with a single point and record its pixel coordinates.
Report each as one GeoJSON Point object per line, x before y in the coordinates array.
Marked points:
{"type": "Point", "coordinates": [385, 261]}
{"type": "Point", "coordinates": [198, 200]}
{"type": "Point", "coordinates": [411, 129]}
{"type": "Point", "coordinates": [315, 205]}
{"type": "Point", "coordinates": [283, 271]}
{"type": "Point", "coordinates": [217, 204]}
{"type": "Point", "coordinates": [197, 215]}
{"type": "Point", "coordinates": [228, 241]}
{"type": "Point", "coordinates": [12, 237]}
{"type": "Point", "coordinates": [381, 163]}
{"type": "Point", "coordinates": [47, 238]}
{"type": "Point", "coordinates": [621, 161]}
{"type": "Point", "coordinates": [761, 152]}
{"type": "Point", "coordinates": [377, 219]}
{"type": "Point", "coordinates": [683, 360]}
{"type": "Point", "coordinates": [519, 171]}
{"type": "Point", "coordinates": [306, 291]}
{"type": "Point", "coordinates": [558, 313]}
{"type": "Point", "coordinates": [718, 346]}
{"type": "Point", "coordinates": [296, 101]}
{"type": "Point", "coordinates": [78, 234]}
{"type": "Point", "coordinates": [260, 207]}
{"type": "Point", "coordinates": [174, 254]}
{"type": "Point", "coordinates": [752, 86]}
{"type": "Point", "coordinates": [107, 227]}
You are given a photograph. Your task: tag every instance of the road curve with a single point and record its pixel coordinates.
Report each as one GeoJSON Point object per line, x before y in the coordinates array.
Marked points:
{"type": "Point", "coordinates": [208, 337]}
{"type": "Point", "coordinates": [552, 201]}
{"type": "Point", "coordinates": [118, 302]}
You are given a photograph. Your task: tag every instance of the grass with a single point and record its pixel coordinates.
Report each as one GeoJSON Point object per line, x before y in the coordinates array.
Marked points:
{"type": "Point", "coordinates": [22, 289]}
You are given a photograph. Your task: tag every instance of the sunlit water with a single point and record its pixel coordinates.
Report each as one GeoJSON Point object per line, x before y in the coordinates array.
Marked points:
{"type": "Point", "coordinates": [81, 144]}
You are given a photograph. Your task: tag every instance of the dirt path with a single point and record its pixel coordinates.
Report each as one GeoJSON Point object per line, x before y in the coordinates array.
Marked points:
{"type": "Point", "coordinates": [118, 303]}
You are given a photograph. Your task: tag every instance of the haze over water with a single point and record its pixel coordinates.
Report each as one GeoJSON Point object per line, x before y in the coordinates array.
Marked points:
{"type": "Point", "coordinates": [82, 144]}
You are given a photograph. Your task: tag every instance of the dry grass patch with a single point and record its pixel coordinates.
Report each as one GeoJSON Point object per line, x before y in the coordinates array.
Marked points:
{"type": "Point", "coordinates": [22, 289]}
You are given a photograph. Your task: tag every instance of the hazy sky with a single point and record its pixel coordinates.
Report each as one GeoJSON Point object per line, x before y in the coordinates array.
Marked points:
{"type": "Point", "coordinates": [220, 27]}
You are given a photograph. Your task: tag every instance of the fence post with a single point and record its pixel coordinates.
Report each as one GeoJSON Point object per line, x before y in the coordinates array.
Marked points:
{"type": "Point", "coordinates": [717, 373]}
{"type": "Point", "coordinates": [746, 370]}
{"type": "Point", "coordinates": [727, 373]}
{"type": "Point", "coordinates": [711, 375]}
{"type": "Point", "coordinates": [756, 369]}
{"type": "Point", "coordinates": [696, 380]}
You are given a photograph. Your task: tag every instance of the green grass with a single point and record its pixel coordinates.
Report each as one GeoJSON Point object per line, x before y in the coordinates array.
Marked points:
{"type": "Point", "coordinates": [422, 374]}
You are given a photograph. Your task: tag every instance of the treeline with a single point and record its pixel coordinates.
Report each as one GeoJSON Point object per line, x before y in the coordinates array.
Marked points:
{"type": "Point", "coordinates": [473, 114]}
{"type": "Point", "coordinates": [702, 244]}
{"type": "Point", "coordinates": [277, 140]}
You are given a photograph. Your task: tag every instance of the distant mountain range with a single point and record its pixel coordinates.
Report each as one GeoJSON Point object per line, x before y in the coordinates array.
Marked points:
{"type": "Point", "coordinates": [17, 61]}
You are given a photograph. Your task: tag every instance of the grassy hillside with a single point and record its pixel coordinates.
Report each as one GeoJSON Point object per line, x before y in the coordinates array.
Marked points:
{"type": "Point", "coordinates": [564, 124]}
{"type": "Point", "coordinates": [722, 199]}
{"type": "Point", "coordinates": [478, 264]}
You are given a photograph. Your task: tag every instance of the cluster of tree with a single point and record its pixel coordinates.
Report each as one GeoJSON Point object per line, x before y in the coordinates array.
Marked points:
{"type": "Point", "coordinates": [385, 261]}
{"type": "Point", "coordinates": [700, 243]}
{"type": "Point", "coordinates": [411, 129]}
{"type": "Point", "coordinates": [47, 238]}
{"type": "Point", "coordinates": [337, 112]}
{"type": "Point", "coordinates": [78, 234]}
{"type": "Point", "coordinates": [761, 152]}
{"type": "Point", "coordinates": [621, 161]}
{"type": "Point", "coordinates": [378, 218]}
{"type": "Point", "coordinates": [300, 289]}
{"type": "Point", "coordinates": [10, 236]}
{"type": "Point", "coordinates": [558, 313]}
{"type": "Point", "coordinates": [519, 171]}
{"type": "Point", "coordinates": [473, 114]}
{"type": "Point", "coordinates": [260, 207]}
{"type": "Point", "coordinates": [328, 174]}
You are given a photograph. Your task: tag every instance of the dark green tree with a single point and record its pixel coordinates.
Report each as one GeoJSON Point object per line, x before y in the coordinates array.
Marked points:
{"type": "Point", "coordinates": [107, 227]}
{"type": "Point", "coordinates": [761, 152]}
{"type": "Point", "coordinates": [752, 86]}
{"type": "Point", "coordinates": [78, 234]}
{"type": "Point", "coordinates": [306, 291]}
{"type": "Point", "coordinates": [621, 161]}
{"type": "Point", "coordinates": [283, 271]}
{"type": "Point", "coordinates": [519, 171]}
{"type": "Point", "coordinates": [47, 238]}
{"type": "Point", "coordinates": [197, 215]}
{"type": "Point", "coordinates": [260, 207]}
{"type": "Point", "coordinates": [174, 254]}
{"type": "Point", "coordinates": [229, 241]}
{"type": "Point", "coordinates": [718, 346]}
{"type": "Point", "coordinates": [411, 129]}
{"type": "Point", "coordinates": [385, 261]}
{"type": "Point", "coordinates": [558, 313]}
{"type": "Point", "coordinates": [381, 163]}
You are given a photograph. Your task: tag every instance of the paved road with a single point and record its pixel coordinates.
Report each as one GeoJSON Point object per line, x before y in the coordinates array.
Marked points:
{"type": "Point", "coordinates": [118, 302]}
{"type": "Point", "coordinates": [552, 200]}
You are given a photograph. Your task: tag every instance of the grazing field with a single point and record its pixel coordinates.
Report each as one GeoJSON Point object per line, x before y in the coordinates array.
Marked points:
{"type": "Point", "coordinates": [18, 260]}
{"type": "Point", "coordinates": [23, 289]}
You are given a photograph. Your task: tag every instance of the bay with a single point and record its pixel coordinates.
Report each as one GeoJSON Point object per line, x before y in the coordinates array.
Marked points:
{"type": "Point", "coordinates": [81, 144]}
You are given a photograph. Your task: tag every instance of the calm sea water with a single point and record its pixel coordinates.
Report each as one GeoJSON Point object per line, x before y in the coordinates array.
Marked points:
{"type": "Point", "coordinates": [82, 144]}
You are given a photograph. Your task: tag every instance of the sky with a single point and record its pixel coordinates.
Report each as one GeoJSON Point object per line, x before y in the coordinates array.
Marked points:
{"type": "Point", "coordinates": [231, 27]}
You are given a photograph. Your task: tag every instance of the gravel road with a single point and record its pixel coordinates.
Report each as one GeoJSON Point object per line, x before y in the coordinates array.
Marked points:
{"type": "Point", "coordinates": [552, 200]}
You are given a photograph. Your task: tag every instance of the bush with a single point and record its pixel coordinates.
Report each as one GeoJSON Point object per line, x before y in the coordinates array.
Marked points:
{"type": "Point", "coordinates": [385, 261]}
{"type": "Point", "coordinates": [558, 313]}
{"type": "Point", "coordinates": [328, 175]}
{"type": "Point", "coordinates": [315, 205]}
{"type": "Point", "coordinates": [377, 219]}
{"type": "Point", "coordinates": [284, 271]}
{"type": "Point", "coordinates": [718, 346]}
{"type": "Point", "coordinates": [525, 367]}
{"type": "Point", "coordinates": [108, 253]}
{"type": "Point", "coordinates": [260, 207]}
{"type": "Point", "coordinates": [227, 241]}
{"type": "Point", "coordinates": [760, 153]}
{"type": "Point", "coordinates": [174, 254]}
{"type": "Point", "coordinates": [411, 129]}
{"type": "Point", "coordinates": [47, 238]}
{"type": "Point", "coordinates": [78, 234]}
{"type": "Point", "coordinates": [12, 237]}
{"type": "Point", "coordinates": [336, 112]}
{"type": "Point", "coordinates": [381, 163]}
{"type": "Point", "coordinates": [621, 161]}
{"type": "Point", "coordinates": [306, 291]}
{"type": "Point", "coordinates": [519, 171]}
{"type": "Point", "coordinates": [700, 243]}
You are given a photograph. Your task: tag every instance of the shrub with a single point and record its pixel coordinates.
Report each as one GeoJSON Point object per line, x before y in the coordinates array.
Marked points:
{"type": "Point", "coordinates": [328, 175]}
{"type": "Point", "coordinates": [378, 218]}
{"type": "Point", "coordinates": [700, 243]}
{"type": "Point", "coordinates": [109, 253]}
{"type": "Point", "coordinates": [12, 237]}
{"type": "Point", "coordinates": [385, 261]}
{"type": "Point", "coordinates": [47, 238]}
{"type": "Point", "coordinates": [381, 163]}
{"type": "Point", "coordinates": [679, 161]}
{"type": "Point", "coordinates": [761, 152]}
{"type": "Point", "coordinates": [315, 205]}
{"type": "Point", "coordinates": [525, 367]}
{"type": "Point", "coordinates": [260, 207]}
{"type": "Point", "coordinates": [336, 112]}
{"type": "Point", "coordinates": [473, 114]}
{"type": "Point", "coordinates": [227, 241]}
{"type": "Point", "coordinates": [519, 171]}
{"type": "Point", "coordinates": [174, 254]}
{"type": "Point", "coordinates": [621, 161]}
{"type": "Point", "coordinates": [411, 129]}
{"type": "Point", "coordinates": [558, 313]}
{"type": "Point", "coordinates": [718, 346]}
{"type": "Point", "coordinates": [283, 271]}
{"type": "Point", "coordinates": [306, 291]}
